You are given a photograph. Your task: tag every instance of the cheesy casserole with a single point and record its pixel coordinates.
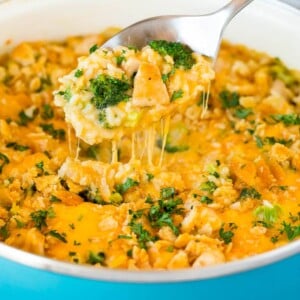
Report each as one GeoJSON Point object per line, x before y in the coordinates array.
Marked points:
{"type": "Point", "coordinates": [192, 190]}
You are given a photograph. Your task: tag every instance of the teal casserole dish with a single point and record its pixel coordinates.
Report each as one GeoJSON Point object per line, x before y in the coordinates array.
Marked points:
{"type": "Point", "coordinates": [270, 26]}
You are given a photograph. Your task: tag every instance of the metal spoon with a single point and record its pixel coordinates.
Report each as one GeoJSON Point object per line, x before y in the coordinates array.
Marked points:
{"type": "Point", "coordinates": [201, 33]}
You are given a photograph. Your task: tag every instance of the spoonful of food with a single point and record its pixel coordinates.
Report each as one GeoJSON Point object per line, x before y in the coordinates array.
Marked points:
{"type": "Point", "coordinates": [201, 33]}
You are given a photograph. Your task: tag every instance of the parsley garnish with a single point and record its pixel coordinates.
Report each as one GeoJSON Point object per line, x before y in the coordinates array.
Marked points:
{"type": "Point", "coordinates": [227, 235]}
{"type": "Point", "coordinates": [206, 200]}
{"type": "Point", "coordinates": [4, 160]}
{"type": "Point", "coordinates": [66, 94]}
{"type": "Point", "coordinates": [93, 48]}
{"type": "Point", "coordinates": [287, 119]}
{"type": "Point", "coordinates": [243, 113]}
{"type": "Point", "coordinates": [122, 188]}
{"type": "Point", "coordinates": [57, 235]}
{"type": "Point", "coordinates": [58, 134]}
{"type": "Point", "coordinates": [47, 112]}
{"type": "Point", "coordinates": [39, 217]}
{"type": "Point", "coordinates": [25, 119]}
{"type": "Point", "coordinates": [291, 231]}
{"type": "Point", "coordinates": [143, 235]}
{"type": "Point", "coordinates": [176, 95]}
{"type": "Point", "coordinates": [17, 147]}
{"type": "Point", "coordinates": [208, 186]}
{"type": "Point", "coordinates": [229, 99]}
{"type": "Point", "coordinates": [249, 193]}
{"type": "Point", "coordinates": [78, 73]}
{"type": "Point", "coordinates": [96, 258]}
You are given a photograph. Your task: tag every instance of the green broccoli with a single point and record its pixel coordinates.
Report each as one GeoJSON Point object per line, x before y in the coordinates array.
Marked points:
{"type": "Point", "coordinates": [181, 54]}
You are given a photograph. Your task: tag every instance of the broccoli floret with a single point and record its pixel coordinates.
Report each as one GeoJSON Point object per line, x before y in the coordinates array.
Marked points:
{"type": "Point", "coordinates": [181, 54]}
{"type": "Point", "coordinates": [108, 91]}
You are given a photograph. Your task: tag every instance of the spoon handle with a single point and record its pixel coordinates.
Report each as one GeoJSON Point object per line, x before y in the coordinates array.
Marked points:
{"type": "Point", "coordinates": [231, 9]}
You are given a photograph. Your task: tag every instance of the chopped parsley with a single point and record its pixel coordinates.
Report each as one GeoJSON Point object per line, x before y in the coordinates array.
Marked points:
{"type": "Point", "coordinates": [66, 94]}
{"type": "Point", "coordinates": [122, 188]}
{"type": "Point", "coordinates": [25, 118]}
{"type": "Point", "coordinates": [181, 54]}
{"type": "Point", "coordinates": [291, 231]}
{"type": "Point", "coordinates": [143, 235]}
{"type": "Point", "coordinates": [39, 217]}
{"type": "Point", "coordinates": [149, 176]}
{"type": "Point", "coordinates": [54, 199]}
{"type": "Point", "coordinates": [206, 200]}
{"type": "Point", "coordinates": [93, 48]}
{"type": "Point", "coordinates": [170, 148]}
{"type": "Point", "coordinates": [227, 235]}
{"type": "Point", "coordinates": [249, 193]}
{"type": "Point", "coordinates": [229, 99]}
{"type": "Point", "coordinates": [287, 119]}
{"type": "Point", "coordinates": [4, 160]}
{"type": "Point", "coordinates": [120, 59]}
{"type": "Point", "coordinates": [47, 112]}
{"type": "Point", "coordinates": [243, 113]}
{"type": "Point", "coordinates": [208, 186]}
{"type": "Point", "coordinates": [176, 95]}
{"type": "Point", "coordinates": [78, 73]}
{"type": "Point", "coordinates": [58, 134]}
{"type": "Point", "coordinates": [96, 258]}
{"type": "Point", "coordinates": [108, 91]}
{"type": "Point", "coordinates": [57, 235]}
{"type": "Point", "coordinates": [17, 146]}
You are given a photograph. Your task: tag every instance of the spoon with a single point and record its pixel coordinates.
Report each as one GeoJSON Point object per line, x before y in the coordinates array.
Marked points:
{"type": "Point", "coordinates": [201, 33]}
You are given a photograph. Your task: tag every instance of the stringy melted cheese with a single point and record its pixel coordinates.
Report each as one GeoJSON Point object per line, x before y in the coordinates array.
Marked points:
{"type": "Point", "coordinates": [234, 172]}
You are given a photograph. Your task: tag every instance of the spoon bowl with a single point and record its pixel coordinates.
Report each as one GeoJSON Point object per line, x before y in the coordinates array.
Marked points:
{"type": "Point", "coordinates": [202, 33]}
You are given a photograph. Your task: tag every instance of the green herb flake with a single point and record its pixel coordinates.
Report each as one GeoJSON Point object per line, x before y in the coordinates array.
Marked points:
{"type": "Point", "coordinates": [287, 119]}
{"type": "Point", "coordinates": [17, 146]}
{"type": "Point", "coordinates": [129, 183]}
{"type": "Point", "coordinates": [229, 99]}
{"type": "Point", "coordinates": [143, 235]}
{"type": "Point", "coordinates": [78, 73]}
{"type": "Point", "coordinates": [66, 94]}
{"type": "Point", "coordinates": [243, 113]}
{"type": "Point", "coordinates": [47, 112]}
{"type": "Point", "coordinates": [4, 160]}
{"type": "Point", "coordinates": [58, 134]}
{"type": "Point", "coordinates": [57, 235]}
{"type": "Point", "coordinates": [227, 235]}
{"type": "Point", "coordinates": [206, 200]}
{"type": "Point", "coordinates": [54, 199]}
{"type": "Point", "coordinates": [249, 193]}
{"type": "Point", "coordinates": [93, 48]}
{"type": "Point", "coordinates": [123, 236]}
{"type": "Point", "coordinates": [39, 217]}
{"type": "Point", "coordinates": [176, 95]}
{"type": "Point", "coordinates": [149, 176]}
{"type": "Point", "coordinates": [25, 119]}
{"type": "Point", "coordinates": [19, 223]}
{"type": "Point", "coordinates": [291, 231]}
{"type": "Point", "coordinates": [167, 192]}
{"type": "Point", "coordinates": [208, 186]}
